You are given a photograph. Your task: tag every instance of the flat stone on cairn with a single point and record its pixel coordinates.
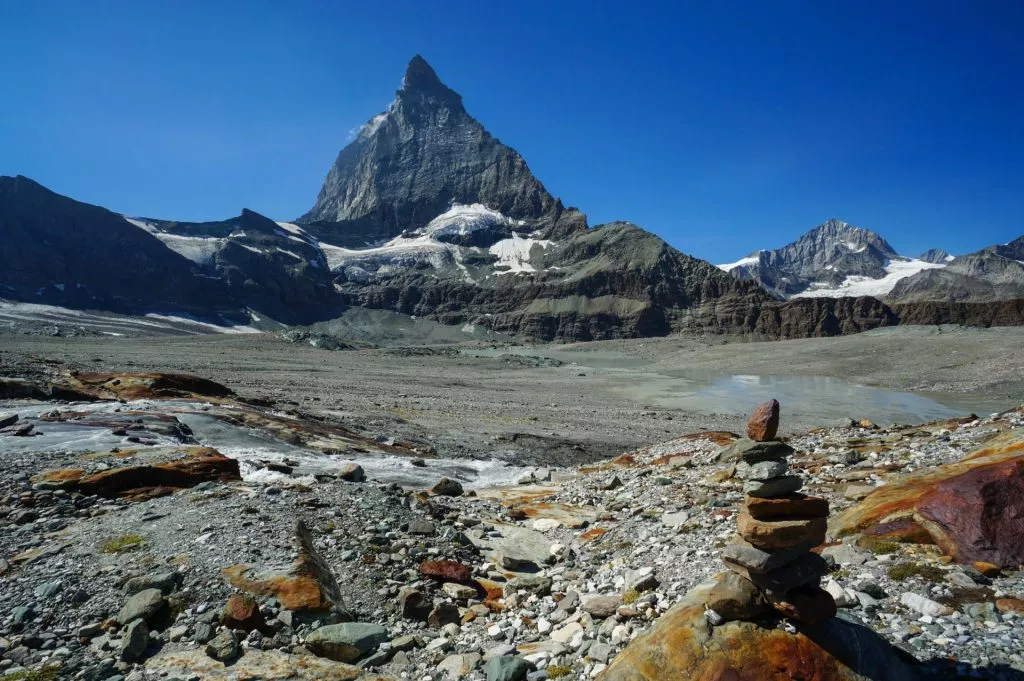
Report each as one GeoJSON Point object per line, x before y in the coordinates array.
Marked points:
{"type": "Point", "coordinates": [777, 529]}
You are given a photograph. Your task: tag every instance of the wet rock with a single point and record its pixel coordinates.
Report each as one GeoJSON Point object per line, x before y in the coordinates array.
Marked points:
{"type": "Point", "coordinates": [346, 642]}
{"type": "Point", "coordinates": [352, 472]}
{"type": "Point", "coordinates": [8, 420]}
{"type": "Point", "coordinates": [446, 487]}
{"type": "Point", "coordinates": [764, 422]}
{"type": "Point", "coordinates": [202, 464]}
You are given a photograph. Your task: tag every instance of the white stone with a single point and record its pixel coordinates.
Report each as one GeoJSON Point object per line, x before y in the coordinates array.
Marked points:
{"type": "Point", "coordinates": [925, 606]}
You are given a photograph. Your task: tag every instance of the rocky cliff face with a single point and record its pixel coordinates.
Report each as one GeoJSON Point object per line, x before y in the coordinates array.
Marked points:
{"type": "Point", "coordinates": [275, 269]}
{"type": "Point", "coordinates": [410, 163]}
{"type": "Point", "coordinates": [59, 251]}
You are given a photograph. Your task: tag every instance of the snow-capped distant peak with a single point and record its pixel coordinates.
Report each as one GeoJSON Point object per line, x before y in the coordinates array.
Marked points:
{"type": "Point", "coordinates": [854, 286]}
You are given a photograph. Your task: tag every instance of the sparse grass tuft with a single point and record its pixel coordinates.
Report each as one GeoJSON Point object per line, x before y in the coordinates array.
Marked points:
{"type": "Point", "coordinates": [557, 671]}
{"type": "Point", "coordinates": [878, 546]}
{"type": "Point", "coordinates": [122, 543]}
{"type": "Point", "coordinates": [630, 596]}
{"type": "Point", "coordinates": [905, 571]}
{"type": "Point", "coordinates": [45, 673]}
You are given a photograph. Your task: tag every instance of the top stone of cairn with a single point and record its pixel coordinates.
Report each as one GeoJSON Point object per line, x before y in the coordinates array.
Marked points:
{"type": "Point", "coordinates": [764, 422]}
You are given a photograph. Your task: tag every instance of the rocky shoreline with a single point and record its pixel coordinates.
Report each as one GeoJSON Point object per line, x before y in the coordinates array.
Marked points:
{"type": "Point", "coordinates": [297, 576]}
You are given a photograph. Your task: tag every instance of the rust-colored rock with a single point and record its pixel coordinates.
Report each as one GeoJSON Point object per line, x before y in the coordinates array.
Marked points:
{"type": "Point", "coordinates": [137, 386]}
{"type": "Point", "coordinates": [781, 533]}
{"type": "Point", "coordinates": [243, 613]}
{"type": "Point", "coordinates": [764, 422]}
{"type": "Point", "coordinates": [308, 586]}
{"type": "Point", "coordinates": [987, 569]}
{"type": "Point", "coordinates": [792, 505]}
{"type": "Point", "coordinates": [202, 464]}
{"type": "Point", "coordinates": [810, 605]}
{"type": "Point", "coordinates": [972, 508]}
{"type": "Point", "coordinates": [1010, 605]}
{"type": "Point", "coordinates": [680, 645]}
{"type": "Point", "coordinates": [446, 571]}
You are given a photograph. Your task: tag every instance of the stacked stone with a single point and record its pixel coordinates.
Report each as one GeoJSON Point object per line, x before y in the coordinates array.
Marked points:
{"type": "Point", "coordinates": [771, 562]}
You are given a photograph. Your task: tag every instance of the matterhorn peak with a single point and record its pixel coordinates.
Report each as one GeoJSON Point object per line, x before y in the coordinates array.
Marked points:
{"type": "Point", "coordinates": [420, 75]}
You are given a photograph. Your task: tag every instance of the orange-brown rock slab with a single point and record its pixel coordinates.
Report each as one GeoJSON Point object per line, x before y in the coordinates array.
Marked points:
{"type": "Point", "coordinates": [265, 665]}
{"type": "Point", "coordinates": [307, 586]}
{"type": "Point", "coordinates": [201, 464]}
{"type": "Point", "coordinates": [682, 646]}
{"type": "Point", "coordinates": [780, 533]}
{"type": "Point", "coordinates": [794, 505]}
{"type": "Point", "coordinates": [972, 508]}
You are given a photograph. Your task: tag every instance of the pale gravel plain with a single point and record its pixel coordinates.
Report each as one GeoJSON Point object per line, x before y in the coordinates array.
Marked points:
{"type": "Point", "coordinates": [564, 404]}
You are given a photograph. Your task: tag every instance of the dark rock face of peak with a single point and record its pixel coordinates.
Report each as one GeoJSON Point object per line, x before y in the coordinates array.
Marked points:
{"type": "Point", "coordinates": [824, 256]}
{"type": "Point", "coordinates": [936, 256]}
{"type": "Point", "coordinates": [424, 153]}
{"type": "Point", "coordinates": [992, 274]}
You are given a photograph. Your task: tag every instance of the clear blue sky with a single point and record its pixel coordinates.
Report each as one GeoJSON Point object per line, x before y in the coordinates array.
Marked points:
{"type": "Point", "coordinates": [722, 126]}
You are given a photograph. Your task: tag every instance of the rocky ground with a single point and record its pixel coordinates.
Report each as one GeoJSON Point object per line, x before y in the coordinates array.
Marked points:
{"type": "Point", "coordinates": [109, 573]}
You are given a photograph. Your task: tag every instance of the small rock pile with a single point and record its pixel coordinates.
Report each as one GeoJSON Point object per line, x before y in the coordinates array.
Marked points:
{"type": "Point", "coordinates": [771, 564]}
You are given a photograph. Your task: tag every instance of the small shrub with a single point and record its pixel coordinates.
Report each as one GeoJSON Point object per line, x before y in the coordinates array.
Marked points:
{"type": "Point", "coordinates": [122, 543]}
{"type": "Point", "coordinates": [557, 671]}
{"type": "Point", "coordinates": [905, 571]}
{"type": "Point", "coordinates": [630, 596]}
{"type": "Point", "coordinates": [878, 546]}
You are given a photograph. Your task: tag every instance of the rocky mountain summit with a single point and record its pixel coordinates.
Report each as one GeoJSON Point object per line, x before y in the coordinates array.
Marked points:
{"type": "Point", "coordinates": [833, 259]}
{"type": "Point", "coordinates": [836, 259]}
{"type": "Point", "coordinates": [425, 153]}
{"type": "Point", "coordinates": [136, 549]}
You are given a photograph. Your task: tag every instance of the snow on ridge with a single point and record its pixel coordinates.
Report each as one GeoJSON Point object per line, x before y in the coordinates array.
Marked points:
{"type": "Point", "coordinates": [198, 249]}
{"type": "Point", "coordinates": [749, 260]}
{"type": "Point", "coordinates": [857, 285]}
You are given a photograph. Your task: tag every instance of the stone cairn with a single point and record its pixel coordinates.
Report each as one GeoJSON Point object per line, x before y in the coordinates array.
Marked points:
{"type": "Point", "coordinates": [771, 566]}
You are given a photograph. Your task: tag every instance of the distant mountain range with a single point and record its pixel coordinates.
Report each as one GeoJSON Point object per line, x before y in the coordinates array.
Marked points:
{"type": "Point", "coordinates": [427, 214]}
{"type": "Point", "coordinates": [836, 259]}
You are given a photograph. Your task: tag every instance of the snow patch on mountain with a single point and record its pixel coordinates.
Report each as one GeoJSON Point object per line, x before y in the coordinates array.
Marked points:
{"type": "Point", "coordinates": [854, 286]}
{"type": "Point", "coordinates": [198, 249]}
{"type": "Point", "coordinates": [463, 219]}
{"type": "Point", "coordinates": [514, 253]}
